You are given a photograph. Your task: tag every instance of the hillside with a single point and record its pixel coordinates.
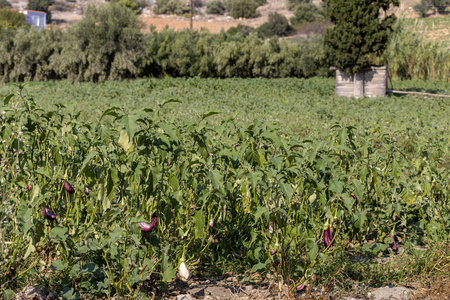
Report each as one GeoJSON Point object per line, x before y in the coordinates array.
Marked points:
{"type": "Point", "coordinates": [68, 12]}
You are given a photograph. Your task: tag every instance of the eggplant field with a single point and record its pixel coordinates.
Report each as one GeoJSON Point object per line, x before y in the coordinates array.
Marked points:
{"type": "Point", "coordinates": [119, 188]}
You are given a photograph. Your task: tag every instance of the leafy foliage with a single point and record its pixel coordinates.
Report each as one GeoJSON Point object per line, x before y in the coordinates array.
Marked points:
{"type": "Point", "coordinates": [175, 7]}
{"type": "Point", "coordinates": [277, 25]}
{"type": "Point", "coordinates": [134, 6]}
{"type": "Point", "coordinates": [365, 181]}
{"type": "Point", "coordinates": [106, 43]}
{"type": "Point", "coordinates": [243, 9]}
{"type": "Point", "coordinates": [215, 7]}
{"type": "Point", "coordinates": [409, 56]}
{"type": "Point", "coordinates": [306, 12]}
{"type": "Point", "coordinates": [242, 30]}
{"type": "Point", "coordinates": [11, 19]}
{"type": "Point", "coordinates": [422, 8]}
{"type": "Point", "coordinates": [358, 34]}
{"type": "Point", "coordinates": [291, 4]}
{"type": "Point", "coordinates": [4, 3]}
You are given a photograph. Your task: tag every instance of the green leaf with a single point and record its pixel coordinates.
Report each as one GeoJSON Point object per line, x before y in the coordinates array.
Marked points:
{"type": "Point", "coordinates": [348, 202]}
{"type": "Point", "coordinates": [274, 137]}
{"type": "Point", "coordinates": [43, 172]}
{"type": "Point", "coordinates": [93, 244]}
{"type": "Point", "coordinates": [287, 190]}
{"type": "Point", "coordinates": [9, 294]}
{"type": "Point", "coordinates": [30, 248]}
{"type": "Point", "coordinates": [277, 162]}
{"type": "Point", "coordinates": [56, 156]}
{"type": "Point", "coordinates": [169, 274]}
{"type": "Point", "coordinates": [199, 221]}
{"type": "Point", "coordinates": [110, 112]}
{"type": "Point", "coordinates": [388, 240]}
{"type": "Point", "coordinates": [216, 178]}
{"type": "Point", "coordinates": [209, 114]}
{"type": "Point", "coordinates": [170, 101]}
{"type": "Point", "coordinates": [170, 130]}
{"type": "Point", "coordinates": [70, 294]}
{"type": "Point", "coordinates": [396, 169]}
{"type": "Point", "coordinates": [360, 219]}
{"type": "Point", "coordinates": [89, 268]}
{"type": "Point", "coordinates": [59, 233]}
{"type": "Point", "coordinates": [89, 157]}
{"type": "Point", "coordinates": [359, 189]}
{"type": "Point", "coordinates": [115, 235]}
{"type": "Point", "coordinates": [336, 186]}
{"type": "Point", "coordinates": [129, 122]}
{"type": "Point", "coordinates": [379, 248]}
{"type": "Point", "coordinates": [260, 266]}
{"type": "Point", "coordinates": [6, 101]}
{"type": "Point", "coordinates": [259, 211]}
{"type": "Point", "coordinates": [58, 265]}
{"type": "Point", "coordinates": [312, 252]}
{"type": "Point", "coordinates": [125, 142]}
{"type": "Point", "coordinates": [24, 214]}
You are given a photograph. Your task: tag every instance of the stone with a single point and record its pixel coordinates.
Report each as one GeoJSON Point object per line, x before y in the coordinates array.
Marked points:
{"type": "Point", "coordinates": [391, 293]}
{"type": "Point", "coordinates": [35, 293]}
{"type": "Point", "coordinates": [184, 297]}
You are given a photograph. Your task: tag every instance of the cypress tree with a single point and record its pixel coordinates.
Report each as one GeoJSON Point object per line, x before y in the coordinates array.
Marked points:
{"type": "Point", "coordinates": [359, 34]}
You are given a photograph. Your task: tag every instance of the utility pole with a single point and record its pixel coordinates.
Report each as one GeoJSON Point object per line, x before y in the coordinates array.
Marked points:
{"type": "Point", "coordinates": [192, 12]}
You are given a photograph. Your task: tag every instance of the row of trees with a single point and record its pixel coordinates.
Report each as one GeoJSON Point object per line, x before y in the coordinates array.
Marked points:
{"type": "Point", "coordinates": [236, 8]}
{"type": "Point", "coordinates": [108, 43]}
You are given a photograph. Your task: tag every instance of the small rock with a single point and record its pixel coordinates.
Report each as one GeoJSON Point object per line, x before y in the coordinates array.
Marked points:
{"type": "Point", "coordinates": [391, 293]}
{"type": "Point", "coordinates": [35, 293]}
{"type": "Point", "coordinates": [248, 288]}
{"type": "Point", "coordinates": [184, 297]}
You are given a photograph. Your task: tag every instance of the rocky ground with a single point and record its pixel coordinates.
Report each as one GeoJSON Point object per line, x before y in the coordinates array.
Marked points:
{"type": "Point", "coordinates": [210, 289]}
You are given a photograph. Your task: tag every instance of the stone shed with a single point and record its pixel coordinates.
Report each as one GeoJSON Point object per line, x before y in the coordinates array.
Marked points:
{"type": "Point", "coordinates": [369, 83]}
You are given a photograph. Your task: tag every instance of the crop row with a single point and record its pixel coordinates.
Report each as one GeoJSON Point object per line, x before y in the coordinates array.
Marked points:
{"type": "Point", "coordinates": [106, 207]}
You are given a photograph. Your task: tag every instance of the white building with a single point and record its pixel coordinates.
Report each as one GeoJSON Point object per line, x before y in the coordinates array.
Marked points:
{"type": "Point", "coordinates": [35, 18]}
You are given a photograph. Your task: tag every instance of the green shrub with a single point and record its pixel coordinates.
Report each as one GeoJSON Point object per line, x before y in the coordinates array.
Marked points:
{"type": "Point", "coordinates": [422, 8]}
{"type": "Point", "coordinates": [4, 3]}
{"type": "Point", "coordinates": [131, 4]}
{"type": "Point", "coordinates": [260, 2]}
{"type": "Point", "coordinates": [197, 3]}
{"type": "Point", "coordinates": [277, 25]}
{"type": "Point", "coordinates": [11, 19]}
{"type": "Point", "coordinates": [291, 4]}
{"type": "Point", "coordinates": [410, 57]}
{"type": "Point", "coordinates": [440, 6]}
{"type": "Point", "coordinates": [171, 7]}
{"type": "Point", "coordinates": [305, 12]}
{"type": "Point", "coordinates": [244, 9]}
{"type": "Point", "coordinates": [106, 43]}
{"type": "Point", "coordinates": [241, 30]}
{"type": "Point", "coordinates": [215, 7]}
